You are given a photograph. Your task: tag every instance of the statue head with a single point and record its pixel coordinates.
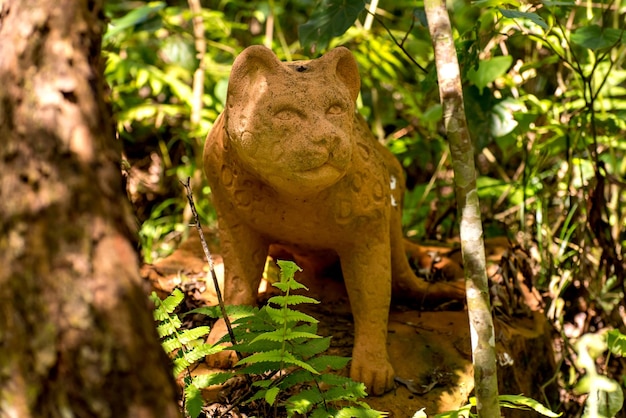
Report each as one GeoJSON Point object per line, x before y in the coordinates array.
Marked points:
{"type": "Point", "coordinates": [291, 124]}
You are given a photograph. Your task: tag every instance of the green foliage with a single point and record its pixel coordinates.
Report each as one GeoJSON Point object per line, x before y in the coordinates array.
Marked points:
{"type": "Point", "coordinates": [506, 401]}
{"type": "Point", "coordinates": [544, 92]}
{"type": "Point", "coordinates": [187, 347]}
{"type": "Point", "coordinates": [284, 340]}
{"type": "Point", "coordinates": [283, 350]}
{"type": "Point", "coordinates": [331, 18]}
{"type": "Point", "coordinates": [606, 397]}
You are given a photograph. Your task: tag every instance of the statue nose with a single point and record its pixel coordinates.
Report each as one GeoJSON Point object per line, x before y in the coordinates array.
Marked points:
{"type": "Point", "coordinates": [325, 133]}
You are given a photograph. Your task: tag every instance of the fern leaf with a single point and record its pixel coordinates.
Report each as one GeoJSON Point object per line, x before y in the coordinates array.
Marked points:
{"type": "Point", "coordinates": [159, 314]}
{"type": "Point", "coordinates": [291, 300]}
{"type": "Point", "coordinates": [192, 334]}
{"type": "Point", "coordinates": [270, 395]}
{"type": "Point", "coordinates": [276, 356]}
{"type": "Point", "coordinates": [333, 362]}
{"type": "Point", "coordinates": [171, 302]}
{"type": "Point", "coordinates": [257, 346]}
{"type": "Point", "coordinates": [171, 344]}
{"type": "Point", "coordinates": [303, 402]}
{"type": "Point", "coordinates": [260, 394]}
{"type": "Point", "coordinates": [360, 412]}
{"type": "Point", "coordinates": [272, 355]}
{"type": "Point", "coordinates": [193, 401]}
{"type": "Point", "coordinates": [260, 368]}
{"type": "Point", "coordinates": [323, 411]}
{"type": "Point", "coordinates": [284, 335]}
{"type": "Point", "coordinates": [285, 287]}
{"type": "Point", "coordinates": [263, 383]}
{"type": "Point", "coordinates": [288, 269]}
{"type": "Point", "coordinates": [180, 364]}
{"type": "Point", "coordinates": [344, 393]}
{"type": "Point", "coordinates": [206, 380]}
{"type": "Point", "coordinates": [165, 329]}
{"type": "Point", "coordinates": [282, 316]}
{"type": "Point", "coordinates": [233, 311]}
{"type": "Point", "coordinates": [296, 377]}
{"type": "Point", "coordinates": [357, 388]}
{"type": "Point", "coordinates": [311, 347]}
{"type": "Point", "coordinates": [202, 351]}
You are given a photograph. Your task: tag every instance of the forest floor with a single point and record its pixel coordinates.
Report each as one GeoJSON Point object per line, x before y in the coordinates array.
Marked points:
{"type": "Point", "coordinates": [430, 350]}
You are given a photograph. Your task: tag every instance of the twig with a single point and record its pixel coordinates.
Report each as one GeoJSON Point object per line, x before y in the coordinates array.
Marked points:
{"type": "Point", "coordinates": [207, 254]}
{"type": "Point", "coordinates": [400, 44]}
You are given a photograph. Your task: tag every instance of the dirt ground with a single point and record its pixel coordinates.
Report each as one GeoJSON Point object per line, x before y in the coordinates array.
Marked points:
{"type": "Point", "coordinates": [430, 350]}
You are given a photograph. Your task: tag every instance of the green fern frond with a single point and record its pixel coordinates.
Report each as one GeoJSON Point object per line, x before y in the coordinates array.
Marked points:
{"type": "Point", "coordinates": [193, 401]}
{"type": "Point", "coordinates": [288, 269]}
{"type": "Point", "coordinates": [271, 394]}
{"type": "Point", "coordinates": [193, 334]}
{"type": "Point", "coordinates": [201, 351]}
{"type": "Point", "coordinates": [278, 356]}
{"type": "Point", "coordinates": [259, 368]}
{"type": "Point", "coordinates": [206, 380]}
{"type": "Point", "coordinates": [282, 300]}
{"type": "Point", "coordinates": [180, 364]}
{"type": "Point", "coordinates": [362, 411]}
{"type": "Point", "coordinates": [282, 316]}
{"type": "Point", "coordinates": [193, 393]}
{"type": "Point", "coordinates": [349, 392]}
{"type": "Point", "coordinates": [257, 346]}
{"type": "Point", "coordinates": [168, 328]}
{"type": "Point", "coordinates": [303, 402]}
{"type": "Point", "coordinates": [233, 311]}
{"type": "Point", "coordinates": [171, 302]}
{"type": "Point", "coordinates": [171, 344]}
{"type": "Point", "coordinates": [287, 286]}
{"type": "Point", "coordinates": [296, 377]}
{"type": "Point", "coordinates": [330, 379]}
{"type": "Point", "coordinates": [287, 335]}
{"type": "Point", "coordinates": [311, 347]}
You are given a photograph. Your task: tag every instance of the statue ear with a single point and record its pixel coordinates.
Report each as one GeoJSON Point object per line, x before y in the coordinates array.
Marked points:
{"type": "Point", "coordinates": [341, 61]}
{"type": "Point", "coordinates": [249, 70]}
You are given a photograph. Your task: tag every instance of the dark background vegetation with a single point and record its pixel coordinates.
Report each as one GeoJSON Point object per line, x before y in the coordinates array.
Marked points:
{"type": "Point", "coordinates": [545, 91]}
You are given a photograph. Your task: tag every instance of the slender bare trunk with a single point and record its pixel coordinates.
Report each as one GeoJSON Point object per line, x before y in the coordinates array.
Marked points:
{"type": "Point", "coordinates": [472, 245]}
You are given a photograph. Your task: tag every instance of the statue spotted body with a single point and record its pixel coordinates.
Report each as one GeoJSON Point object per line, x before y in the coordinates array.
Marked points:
{"type": "Point", "coordinates": [291, 162]}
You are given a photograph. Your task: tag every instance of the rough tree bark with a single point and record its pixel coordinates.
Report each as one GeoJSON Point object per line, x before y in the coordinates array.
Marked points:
{"type": "Point", "coordinates": [76, 334]}
{"type": "Point", "coordinates": [471, 230]}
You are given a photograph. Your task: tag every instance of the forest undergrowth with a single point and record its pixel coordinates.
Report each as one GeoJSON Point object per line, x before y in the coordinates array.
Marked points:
{"type": "Point", "coordinates": [545, 92]}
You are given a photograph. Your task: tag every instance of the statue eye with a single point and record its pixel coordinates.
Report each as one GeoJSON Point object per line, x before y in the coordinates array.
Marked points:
{"type": "Point", "coordinates": [288, 114]}
{"type": "Point", "coordinates": [335, 109]}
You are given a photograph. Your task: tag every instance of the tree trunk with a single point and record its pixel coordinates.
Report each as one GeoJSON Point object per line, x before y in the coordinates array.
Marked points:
{"type": "Point", "coordinates": [471, 229]}
{"type": "Point", "coordinates": [76, 334]}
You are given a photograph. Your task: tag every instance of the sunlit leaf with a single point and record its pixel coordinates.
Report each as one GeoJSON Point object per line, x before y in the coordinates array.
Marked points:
{"type": "Point", "coordinates": [606, 397]}
{"type": "Point", "coordinates": [533, 17]}
{"type": "Point", "coordinates": [595, 37]}
{"type": "Point", "coordinates": [193, 401]}
{"type": "Point", "coordinates": [134, 18]}
{"type": "Point", "coordinates": [616, 342]}
{"type": "Point", "coordinates": [270, 395]}
{"type": "Point", "coordinates": [489, 70]}
{"type": "Point", "coordinates": [525, 403]}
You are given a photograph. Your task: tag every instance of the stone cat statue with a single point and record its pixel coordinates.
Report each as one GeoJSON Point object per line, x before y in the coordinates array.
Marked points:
{"type": "Point", "coordinates": [291, 162]}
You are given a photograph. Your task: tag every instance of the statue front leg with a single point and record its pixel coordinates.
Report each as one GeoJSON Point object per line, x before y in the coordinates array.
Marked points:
{"type": "Point", "coordinates": [244, 252]}
{"type": "Point", "coordinates": [367, 273]}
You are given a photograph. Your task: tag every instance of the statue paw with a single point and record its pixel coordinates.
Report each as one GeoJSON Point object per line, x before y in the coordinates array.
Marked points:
{"type": "Point", "coordinates": [377, 374]}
